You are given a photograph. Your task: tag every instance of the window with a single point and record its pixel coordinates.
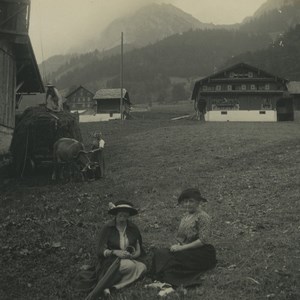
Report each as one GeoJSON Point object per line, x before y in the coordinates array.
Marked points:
{"type": "Point", "coordinates": [231, 74]}
{"type": "Point", "coordinates": [267, 87]}
{"type": "Point", "coordinates": [229, 87]}
{"type": "Point", "coordinates": [218, 88]}
{"type": "Point", "coordinates": [253, 87]}
{"type": "Point", "coordinates": [223, 112]}
{"type": "Point", "coordinates": [244, 87]}
{"type": "Point", "coordinates": [111, 114]}
{"type": "Point", "coordinates": [204, 88]}
{"type": "Point", "coordinates": [250, 74]}
{"type": "Point", "coordinates": [262, 112]}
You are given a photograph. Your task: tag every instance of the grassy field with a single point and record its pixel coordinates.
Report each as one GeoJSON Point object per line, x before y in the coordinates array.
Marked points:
{"type": "Point", "coordinates": [249, 172]}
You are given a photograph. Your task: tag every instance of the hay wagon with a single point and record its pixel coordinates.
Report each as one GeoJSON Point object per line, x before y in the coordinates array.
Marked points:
{"type": "Point", "coordinates": [35, 134]}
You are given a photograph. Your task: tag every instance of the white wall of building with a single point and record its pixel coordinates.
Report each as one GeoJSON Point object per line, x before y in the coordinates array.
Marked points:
{"type": "Point", "coordinates": [241, 116]}
{"type": "Point", "coordinates": [98, 117]}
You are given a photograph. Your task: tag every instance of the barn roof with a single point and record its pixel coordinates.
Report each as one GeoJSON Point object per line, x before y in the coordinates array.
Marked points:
{"type": "Point", "coordinates": [294, 87]}
{"type": "Point", "coordinates": [27, 69]}
{"type": "Point", "coordinates": [111, 94]}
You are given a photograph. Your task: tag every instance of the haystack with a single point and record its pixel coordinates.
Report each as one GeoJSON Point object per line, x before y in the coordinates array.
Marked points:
{"type": "Point", "coordinates": [35, 134]}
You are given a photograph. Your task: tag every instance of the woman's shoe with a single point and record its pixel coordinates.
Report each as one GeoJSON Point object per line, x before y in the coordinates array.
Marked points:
{"type": "Point", "coordinates": [166, 291]}
{"type": "Point", "coordinates": [157, 284]}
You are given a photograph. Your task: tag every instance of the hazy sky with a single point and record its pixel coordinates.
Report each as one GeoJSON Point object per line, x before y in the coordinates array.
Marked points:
{"type": "Point", "coordinates": [57, 25]}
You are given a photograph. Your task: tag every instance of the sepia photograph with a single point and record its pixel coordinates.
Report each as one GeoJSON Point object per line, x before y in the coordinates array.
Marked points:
{"type": "Point", "coordinates": [150, 149]}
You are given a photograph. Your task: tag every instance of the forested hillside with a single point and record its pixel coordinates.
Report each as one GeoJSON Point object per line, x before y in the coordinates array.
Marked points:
{"type": "Point", "coordinates": [147, 71]}
{"type": "Point", "coordinates": [282, 57]}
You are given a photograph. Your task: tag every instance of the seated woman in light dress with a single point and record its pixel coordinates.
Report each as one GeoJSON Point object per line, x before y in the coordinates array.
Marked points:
{"type": "Point", "coordinates": [119, 251]}
{"type": "Point", "coordinates": [184, 262]}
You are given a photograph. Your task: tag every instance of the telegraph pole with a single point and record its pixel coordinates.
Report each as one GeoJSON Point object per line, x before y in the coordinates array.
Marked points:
{"type": "Point", "coordinates": [121, 78]}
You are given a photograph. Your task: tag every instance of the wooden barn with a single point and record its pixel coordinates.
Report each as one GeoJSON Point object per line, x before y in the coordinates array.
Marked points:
{"type": "Point", "coordinates": [80, 99]}
{"type": "Point", "coordinates": [244, 93]}
{"type": "Point", "coordinates": [109, 104]}
{"type": "Point", "coordinates": [19, 73]}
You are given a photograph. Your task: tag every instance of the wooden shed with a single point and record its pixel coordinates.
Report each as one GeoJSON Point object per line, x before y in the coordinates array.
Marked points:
{"type": "Point", "coordinates": [109, 103]}
{"type": "Point", "coordinates": [244, 93]}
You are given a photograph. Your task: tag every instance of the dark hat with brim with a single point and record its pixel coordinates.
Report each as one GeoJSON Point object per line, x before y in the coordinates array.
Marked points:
{"type": "Point", "coordinates": [122, 206]}
{"type": "Point", "coordinates": [191, 193]}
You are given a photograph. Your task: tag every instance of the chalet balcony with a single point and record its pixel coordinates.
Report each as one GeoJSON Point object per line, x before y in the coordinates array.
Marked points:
{"type": "Point", "coordinates": [242, 79]}
{"type": "Point", "coordinates": [243, 92]}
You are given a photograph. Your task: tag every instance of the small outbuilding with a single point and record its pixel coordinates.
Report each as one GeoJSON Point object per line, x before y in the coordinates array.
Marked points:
{"type": "Point", "coordinates": [243, 93]}
{"type": "Point", "coordinates": [108, 104]}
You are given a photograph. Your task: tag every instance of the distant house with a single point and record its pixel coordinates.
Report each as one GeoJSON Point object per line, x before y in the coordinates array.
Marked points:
{"type": "Point", "coordinates": [81, 99]}
{"type": "Point", "coordinates": [108, 103]}
{"type": "Point", "coordinates": [244, 93]}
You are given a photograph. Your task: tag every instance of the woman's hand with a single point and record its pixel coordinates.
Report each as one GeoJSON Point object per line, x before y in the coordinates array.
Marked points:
{"type": "Point", "coordinates": [176, 248]}
{"type": "Point", "coordinates": [122, 254]}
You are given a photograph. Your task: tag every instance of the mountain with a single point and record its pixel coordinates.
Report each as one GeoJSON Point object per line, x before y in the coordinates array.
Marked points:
{"type": "Point", "coordinates": [53, 63]}
{"type": "Point", "coordinates": [58, 65]}
{"type": "Point", "coordinates": [281, 58]}
{"type": "Point", "coordinates": [149, 24]}
{"type": "Point", "coordinates": [273, 5]}
{"type": "Point", "coordinates": [274, 17]}
{"type": "Point", "coordinates": [162, 69]}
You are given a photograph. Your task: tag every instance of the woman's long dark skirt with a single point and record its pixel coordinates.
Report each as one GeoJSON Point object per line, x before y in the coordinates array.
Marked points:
{"type": "Point", "coordinates": [183, 267]}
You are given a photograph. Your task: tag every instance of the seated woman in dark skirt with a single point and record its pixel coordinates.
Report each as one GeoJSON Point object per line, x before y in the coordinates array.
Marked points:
{"type": "Point", "coordinates": [119, 251]}
{"type": "Point", "coordinates": [183, 263]}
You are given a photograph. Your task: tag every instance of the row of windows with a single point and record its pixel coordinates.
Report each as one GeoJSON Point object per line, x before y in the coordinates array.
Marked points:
{"type": "Point", "coordinates": [81, 99]}
{"type": "Point", "coordinates": [242, 87]}
{"type": "Point", "coordinates": [236, 107]}
{"type": "Point", "coordinates": [81, 105]}
{"type": "Point", "coordinates": [241, 75]}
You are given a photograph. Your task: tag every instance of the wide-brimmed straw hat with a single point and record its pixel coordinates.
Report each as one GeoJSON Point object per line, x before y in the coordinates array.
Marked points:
{"type": "Point", "coordinates": [191, 193]}
{"type": "Point", "coordinates": [122, 206]}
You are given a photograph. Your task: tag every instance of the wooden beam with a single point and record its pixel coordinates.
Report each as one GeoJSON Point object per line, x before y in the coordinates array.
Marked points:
{"type": "Point", "coordinates": [13, 32]}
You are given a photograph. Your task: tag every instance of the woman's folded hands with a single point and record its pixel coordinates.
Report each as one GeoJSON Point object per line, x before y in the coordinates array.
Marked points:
{"type": "Point", "coordinates": [122, 254]}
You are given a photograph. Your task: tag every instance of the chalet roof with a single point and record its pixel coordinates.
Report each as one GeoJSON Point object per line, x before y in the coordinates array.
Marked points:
{"type": "Point", "coordinates": [212, 76]}
{"type": "Point", "coordinates": [74, 91]}
{"type": "Point", "coordinates": [27, 68]}
{"type": "Point", "coordinates": [294, 87]}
